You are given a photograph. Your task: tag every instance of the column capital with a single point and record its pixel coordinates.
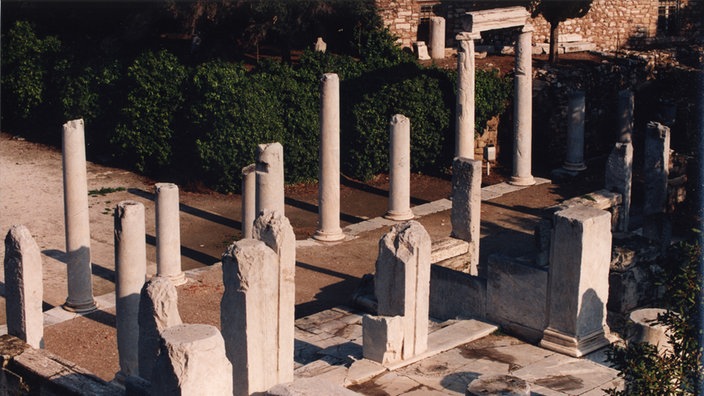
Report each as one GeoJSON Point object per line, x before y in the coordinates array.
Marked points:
{"type": "Point", "coordinates": [464, 36]}
{"type": "Point", "coordinates": [527, 28]}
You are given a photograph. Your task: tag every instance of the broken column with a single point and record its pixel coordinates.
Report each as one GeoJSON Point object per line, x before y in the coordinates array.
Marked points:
{"type": "Point", "coordinates": [270, 177]}
{"type": "Point", "coordinates": [625, 115]}
{"type": "Point", "coordinates": [655, 172]}
{"type": "Point", "coordinates": [276, 232]}
{"type": "Point", "coordinates": [466, 206]}
{"type": "Point", "coordinates": [402, 288]}
{"type": "Point", "coordinates": [437, 37]}
{"type": "Point", "coordinates": [329, 166]}
{"type": "Point", "coordinates": [130, 273]}
{"type": "Point", "coordinates": [574, 160]}
{"type": "Point", "coordinates": [578, 288]}
{"type": "Point", "coordinates": [619, 173]}
{"type": "Point", "coordinates": [192, 362]}
{"type": "Point", "coordinates": [23, 287]}
{"type": "Point", "coordinates": [78, 264]}
{"type": "Point", "coordinates": [249, 201]}
{"type": "Point", "coordinates": [523, 110]}
{"type": "Point", "coordinates": [158, 310]}
{"type": "Point", "coordinates": [464, 128]}
{"type": "Point", "coordinates": [249, 315]}
{"type": "Point", "coordinates": [168, 233]}
{"type": "Point", "coordinates": [399, 169]}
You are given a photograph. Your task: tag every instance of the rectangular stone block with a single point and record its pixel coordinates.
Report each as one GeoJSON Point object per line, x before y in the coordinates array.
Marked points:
{"type": "Point", "coordinates": [656, 167]}
{"type": "Point", "coordinates": [618, 178]}
{"type": "Point", "coordinates": [383, 338]}
{"type": "Point", "coordinates": [456, 294]}
{"type": "Point", "coordinates": [496, 18]}
{"type": "Point", "coordinates": [466, 206]}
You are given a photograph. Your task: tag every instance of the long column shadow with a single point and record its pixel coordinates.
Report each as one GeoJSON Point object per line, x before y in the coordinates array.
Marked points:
{"type": "Point", "coordinates": [96, 269]}
{"type": "Point", "coordinates": [330, 296]}
{"type": "Point", "coordinates": [346, 181]}
{"type": "Point", "coordinates": [193, 254]}
{"type": "Point", "coordinates": [314, 209]}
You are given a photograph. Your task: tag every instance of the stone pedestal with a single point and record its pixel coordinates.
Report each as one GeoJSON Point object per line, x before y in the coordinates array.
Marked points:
{"type": "Point", "coordinates": [464, 128]}
{"type": "Point", "coordinates": [270, 177]}
{"type": "Point", "coordinates": [466, 206]}
{"type": "Point", "coordinates": [574, 160]}
{"type": "Point", "coordinates": [645, 328]}
{"type": "Point", "coordinates": [24, 287]}
{"type": "Point", "coordinates": [168, 233]}
{"type": "Point", "coordinates": [580, 256]}
{"type": "Point", "coordinates": [625, 115]}
{"type": "Point", "coordinates": [329, 165]}
{"type": "Point", "coordinates": [130, 273]}
{"type": "Point", "coordinates": [523, 110]}
{"type": "Point", "coordinates": [437, 37]}
{"type": "Point", "coordinates": [382, 338]}
{"type": "Point", "coordinates": [655, 172]}
{"type": "Point", "coordinates": [399, 169]}
{"type": "Point", "coordinates": [618, 177]}
{"type": "Point", "coordinates": [192, 362]}
{"type": "Point", "coordinates": [249, 200]}
{"type": "Point", "coordinates": [78, 265]}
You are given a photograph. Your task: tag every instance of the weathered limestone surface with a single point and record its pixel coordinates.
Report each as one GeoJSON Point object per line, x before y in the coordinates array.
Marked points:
{"type": "Point", "coordinates": [574, 160]}
{"type": "Point", "coordinates": [130, 273]}
{"type": "Point", "coordinates": [656, 162]}
{"type": "Point", "coordinates": [523, 111]}
{"type": "Point", "coordinates": [158, 310]}
{"type": "Point", "coordinates": [498, 384]}
{"type": "Point", "coordinates": [578, 281]}
{"type": "Point", "coordinates": [625, 109]}
{"type": "Point", "coordinates": [168, 233]}
{"type": "Point", "coordinates": [270, 177]}
{"type": "Point", "coordinates": [402, 282]}
{"type": "Point", "coordinates": [466, 206]}
{"type": "Point", "coordinates": [399, 169]}
{"type": "Point", "coordinates": [274, 229]}
{"type": "Point", "coordinates": [496, 18]}
{"type": "Point", "coordinates": [249, 199]}
{"type": "Point", "coordinates": [329, 165]}
{"type": "Point", "coordinates": [464, 128]}
{"type": "Point", "coordinates": [77, 222]}
{"type": "Point", "coordinates": [645, 328]}
{"type": "Point", "coordinates": [320, 45]}
{"type": "Point", "coordinates": [634, 275]}
{"type": "Point", "coordinates": [23, 287]}
{"type": "Point", "coordinates": [437, 37]}
{"type": "Point", "coordinates": [382, 338]}
{"type": "Point", "coordinates": [619, 174]}
{"type": "Point", "coordinates": [314, 386]}
{"type": "Point", "coordinates": [422, 50]}
{"type": "Point", "coordinates": [192, 362]}
{"type": "Point", "coordinates": [454, 294]}
{"type": "Point", "coordinates": [248, 317]}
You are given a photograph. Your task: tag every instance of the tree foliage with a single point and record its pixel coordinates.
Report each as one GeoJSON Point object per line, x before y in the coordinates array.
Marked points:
{"type": "Point", "coordinates": [557, 11]}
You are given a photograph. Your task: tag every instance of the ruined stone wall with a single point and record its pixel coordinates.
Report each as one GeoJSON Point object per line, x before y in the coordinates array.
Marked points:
{"type": "Point", "coordinates": [402, 17]}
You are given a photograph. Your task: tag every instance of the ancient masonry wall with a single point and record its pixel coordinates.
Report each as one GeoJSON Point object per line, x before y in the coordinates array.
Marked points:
{"type": "Point", "coordinates": [402, 18]}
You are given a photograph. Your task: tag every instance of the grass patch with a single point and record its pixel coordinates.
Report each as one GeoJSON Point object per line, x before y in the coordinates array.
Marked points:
{"type": "Point", "coordinates": [104, 191]}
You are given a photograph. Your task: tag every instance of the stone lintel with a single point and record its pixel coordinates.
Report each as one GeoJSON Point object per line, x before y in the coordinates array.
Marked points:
{"type": "Point", "coordinates": [463, 36]}
{"type": "Point", "coordinates": [496, 18]}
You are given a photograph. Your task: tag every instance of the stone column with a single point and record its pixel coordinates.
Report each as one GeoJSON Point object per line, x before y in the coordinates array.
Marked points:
{"type": "Point", "coordinates": [78, 265]}
{"type": "Point", "coordinates": [399, 169]}
{"type": "Point", "coordinates": [578, 287]}
{"type": "Point", "coordinates": [626, 105]}
{"type": "Point", "coordinates": [192, 362]}
{"type": "Point", "coordinates": [270, 177]}
{"type": "Point", "coordinates": [274, 229]}
{"type": "Point", "coordinates": [168, 233]}
{"type": "Point", "coordinates": [466, 206]}
{"type": "Point", "coordinates": [23, 287]}
{"type": "Point", "coordinates": [248, 317]}
{"type": "Point", "coordinates": [619, 173]}
{"type": "Point", "coordinates": [249, 199]}
{"type": "Point", "coordinates": [402, 282]}
{"type": "Point", "coordinates": [523, 110]}
{"type": "Point", "coordinates": [464, 126]}
{"type": "Point", "coordinates": [574, 161]}
{"type": "Point", "coordinates": [437, 37]}
{"type": "Point", "coordinates": [158, 310]}
{"type": "Point", "coordinates": [329, 167]}
{"type": "Point", "coordinates": [130, 273]}
{"type": "Point", "coordinates": [655, 172]}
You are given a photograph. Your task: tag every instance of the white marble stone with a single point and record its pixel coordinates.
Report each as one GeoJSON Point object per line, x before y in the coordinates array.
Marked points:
{"type": "Point", "coordinates": [399, 169]}
{"type": "Point", "coordinates": [464, 125]}
{"type": "Point", "coordinates": [270, 177]}
{"type": "Point", "coordinates": [383, 338]}
{"type": "Point", "coordinates": [437, 37]}
{"type": "Point", "coordinates": [168, 233]}
{"type": "Point", "coordinates": [466, 206]}
{"type": "Point", "coordinates": [523, 111]}
{"type": "Point", "coordinates": [249, 200]}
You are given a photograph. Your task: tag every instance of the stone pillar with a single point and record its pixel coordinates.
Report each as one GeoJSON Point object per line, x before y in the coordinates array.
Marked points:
{"type": "Point", "coordinates": [168, 233]}
{"type": "Point", "coordinates": [399, 169]}
{"type": "Point", "coordinates": [523, 110]}
{"type": "Point", "coordinates": [466, 206]}
{"type": "Point", "coordinates": [437, 37]}
{"type": "Point", "coordinates": [464, 126]}
{"type": "Point", "coordinates": [78, 265]}
{"type": "Point", "coordinates": [249, 199]}
{"type": "Point", "coordinates": [402, 282]}
{"type": "Point", "coordinates": [248, 317]}
{"type": "Point", "coordinates": [625, 107]}
{"type": "Point", "coordinates": [192, 362]}
{"type": "Point", "coordinates": [578, 288]}
{"type": "Point", "coordinates": [23, 287]}
{"type": "Point", "coordinates": [382, 338]}
{"type": "Point", "coordinates": [270, 177]}
{"type": "Point", "coordinates": [619, 172]}
{"type": "Point", "coordinates": [329, 167]}
{"type": "Point", "coordinates": [276, 232]}
{"type": "Point", "coordinates": [130, 273]}
{"type": "Point", "coordinates": [574, 161]}
{"type": "Point", "coordinates": [655, 172]}
{"type": "Point", "coordinates": [158, 310]}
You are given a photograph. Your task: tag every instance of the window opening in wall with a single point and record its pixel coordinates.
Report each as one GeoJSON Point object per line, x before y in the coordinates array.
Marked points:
{"type": "Point", "coordinates": [426, 11]}
{"type": "Point", "coordinates": [668, 17]}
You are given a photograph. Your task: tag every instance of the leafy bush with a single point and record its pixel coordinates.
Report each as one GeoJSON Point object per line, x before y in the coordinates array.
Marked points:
{"type": "Point", "coordinates": [154, 95]}
{"type": "Point", "coordinates": [492, 93]}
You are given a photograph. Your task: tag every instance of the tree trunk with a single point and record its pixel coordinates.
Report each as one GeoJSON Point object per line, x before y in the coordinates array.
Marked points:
{"type": "Point", "coordinates": [554, 38]}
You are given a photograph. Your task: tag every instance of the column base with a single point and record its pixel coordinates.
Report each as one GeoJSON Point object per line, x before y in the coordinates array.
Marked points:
{"type": "Point", "coordinates": [566, 344]}
{"type": "Point", "coordinates": [177, 280]}
{"type": "Point", "coordinates": [399, 216]}
{"type": "Point", "coordinates": [522, 180]}
{"type": "Point", "coordinates": [576, 167]}
{"type": "Point", "coordinates": [84, 307]}
{"type": "Point", "coordinates": [327, 236]}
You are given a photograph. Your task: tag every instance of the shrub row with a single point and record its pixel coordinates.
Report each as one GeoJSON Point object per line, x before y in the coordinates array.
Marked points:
{"type": "Point", "coordinates": [202, 122]}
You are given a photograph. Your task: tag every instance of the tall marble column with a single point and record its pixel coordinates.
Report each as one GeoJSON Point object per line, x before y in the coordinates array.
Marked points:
{"type": "Point", "coordinates": [168, 233]}
{"type": "Point", "coordinates": [464, 126]}
{"type": "Point", "coordinates": [399, 169]}
{"type": "Point", "coordinates": [523, 110]}
{"type": "Point", "coordinates": [574, 160]}
{"type": "Point", "coordinates": [437, 37]}
{"type": "Point", "coordinates": [249, 200]}
{"type": "Point", "coordinates": [270, 177]}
